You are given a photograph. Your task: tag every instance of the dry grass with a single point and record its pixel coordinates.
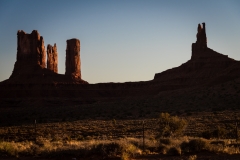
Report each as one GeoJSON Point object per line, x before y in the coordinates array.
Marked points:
{"type": "Point", "coordinates": [123, 148]}
{"type": "Point", "coordinates": [116, 138]}
{"type": "Point", "coordinates": [45, 147]}
{"type": "Point", "coordinates": [198, 123]}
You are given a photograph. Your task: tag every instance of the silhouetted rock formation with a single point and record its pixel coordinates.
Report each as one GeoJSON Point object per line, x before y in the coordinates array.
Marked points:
{"type": "Point", "coordinates": [30, 53]}
{"type": "Point", "coordinates": [73, 59]}
{"type": "Point", "coordinates": [201, 43]}
{"type": "Point", "coordinates": [205, 68]}
{"type": "Point", "coordinates": [30, 67]}
{"type": "Point", "coordinates": [52, 58]}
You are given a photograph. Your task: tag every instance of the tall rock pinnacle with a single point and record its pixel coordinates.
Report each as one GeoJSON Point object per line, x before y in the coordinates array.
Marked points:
{"type": "Point", "coordinates": [201, 43]}
{"type": "Point", "coordinates": [52, 58]}
{"type": "Point", "coordinates": [73, 63]}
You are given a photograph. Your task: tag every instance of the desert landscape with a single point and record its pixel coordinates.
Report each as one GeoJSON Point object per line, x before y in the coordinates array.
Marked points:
{"type": "Point", "coordinates": [187, 112]}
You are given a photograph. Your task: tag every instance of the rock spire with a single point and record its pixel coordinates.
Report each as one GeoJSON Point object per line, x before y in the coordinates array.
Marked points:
{"type": "Point", "coordinates": [201, 43]}
{"type": "Point", "coordinates": [52, 58]}
{"type": "Point", "coordinates": [73, 62]}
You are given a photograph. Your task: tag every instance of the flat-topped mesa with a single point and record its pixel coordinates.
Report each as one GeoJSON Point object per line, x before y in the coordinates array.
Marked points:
{"type": "Point", "coordinates": [73, 63]}
{"type": "Point", "coordinates": [201, 43]}
{"type": "Point", "coordinates": [52, 58]}
{"type": "Point", "coordinates": [30, 52]}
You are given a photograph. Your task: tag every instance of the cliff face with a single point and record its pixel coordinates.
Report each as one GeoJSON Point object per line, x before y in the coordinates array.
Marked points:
{"type": "Point", "coordinates": [73, 63]}
{"type": "Point", "coordinates": [52, 58]}
{"type": "Point", "coordinates": [30, 53]}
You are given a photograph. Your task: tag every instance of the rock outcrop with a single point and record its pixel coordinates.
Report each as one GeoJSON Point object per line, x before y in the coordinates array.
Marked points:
{"type": "Point", "coordinates": [73, 63]}
{"type": "Point", "coordinates": [30, 52]}
{"type": "Point", "coordinates": [30, 66]}
{"type": "Point", "coordinates": [52, 58]}
{"type": "Point", "coordinates": [205, 66]}
{"type": "Point", "coordinates": [201, 43]}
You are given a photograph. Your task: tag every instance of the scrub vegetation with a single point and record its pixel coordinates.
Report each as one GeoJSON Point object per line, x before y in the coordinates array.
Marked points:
{"type": "Point", "coordinates": [122, 139]}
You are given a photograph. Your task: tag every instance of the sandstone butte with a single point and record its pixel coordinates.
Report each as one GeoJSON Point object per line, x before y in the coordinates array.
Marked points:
{"type": "Point", "coordinates": [31, 78]}
{"type": "Point", "coordinates": [30, 67]}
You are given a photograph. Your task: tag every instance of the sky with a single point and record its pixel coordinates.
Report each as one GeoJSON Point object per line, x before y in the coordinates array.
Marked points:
{"type": "Point", "coordinates": [121, 40]}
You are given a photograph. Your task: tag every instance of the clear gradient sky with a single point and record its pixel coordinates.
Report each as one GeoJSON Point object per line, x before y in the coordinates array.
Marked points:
{"type": "Point", "coordinates": [121, 40]}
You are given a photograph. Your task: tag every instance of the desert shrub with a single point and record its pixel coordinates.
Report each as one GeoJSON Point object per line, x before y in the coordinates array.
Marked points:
{"type": "Point", "coordinates": [166, 141]}
{"type": "Point", "coordinates": [114, 122]}
{"type": "Point", "coordinates": [170, 125]}
{"type": "Point", "coordinates": [207, 134]}
{"type": "Point", "coordinates": [163, 149]}
{"type": "Point", "coordinates": [220, 132]}
{"type": "Point", "coordinates": [67, 138]}
{"type": "Point", "coordinates": [184, 146]}
{"type": "Point", "coordinates": [80, 138]}
{"type": "Point", "coordinates": [197, 145]}
{"type": "Point", "coordinates": [8, 148]}
{"type": "Point", "coordinates": [131, 149]}
{"type": "Point", "coordinates": [218, 142]}
{"type": "Point", "coordinates": [109, 149]}
{"type": "Point", "coordinates": [174, 151]}
{"type": "Point", "coordinates": [88, 138]}
{"type": "Point", "coordinates": [146, 151]}
{"type": "Point", "coordinates": [125, 156]}
{"type": "Point", "coordinates": [192, 157]}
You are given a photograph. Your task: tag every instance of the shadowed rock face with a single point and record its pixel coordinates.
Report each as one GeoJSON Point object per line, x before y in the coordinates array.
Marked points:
{"type": "Point", "coordinates": [30, 52]}
{"type": "Point", "coordinates": [73, 63]}
{"type": "Point", "coordinates": [205, 66]}
{"type": "Point", "coordinates": [52, 58]}
{"type": "Point", "coordinates": [201, 43]}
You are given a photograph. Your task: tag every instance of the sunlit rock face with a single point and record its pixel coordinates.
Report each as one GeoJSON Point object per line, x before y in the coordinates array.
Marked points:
{"type": "Point", "coordinates": [31, 46]}
{"type": "Point", "coordinates": [31, 67]}
{"type": "Point", "coordinates": [52, 58]}
{"type": "Point", "coordinates": [30, 52]}
{"type": "Point", "coordinates": [73, 63]}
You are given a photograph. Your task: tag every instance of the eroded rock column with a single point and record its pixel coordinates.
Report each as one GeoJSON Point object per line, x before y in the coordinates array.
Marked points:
{"type": "Point", "coordinates": [73, 63]}
{"type": "Point", "coordinates": [30, 52]}
{"type": "Point", "coordinates": [31, 48]}
{"type": "Point", "coordinates": [52, 58]}
{"type": "Point", "coordinates": [201, 43]}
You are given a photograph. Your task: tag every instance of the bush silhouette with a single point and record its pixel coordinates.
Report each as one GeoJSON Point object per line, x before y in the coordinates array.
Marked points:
{"type": "Point", "coordinates": [170, 125]}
